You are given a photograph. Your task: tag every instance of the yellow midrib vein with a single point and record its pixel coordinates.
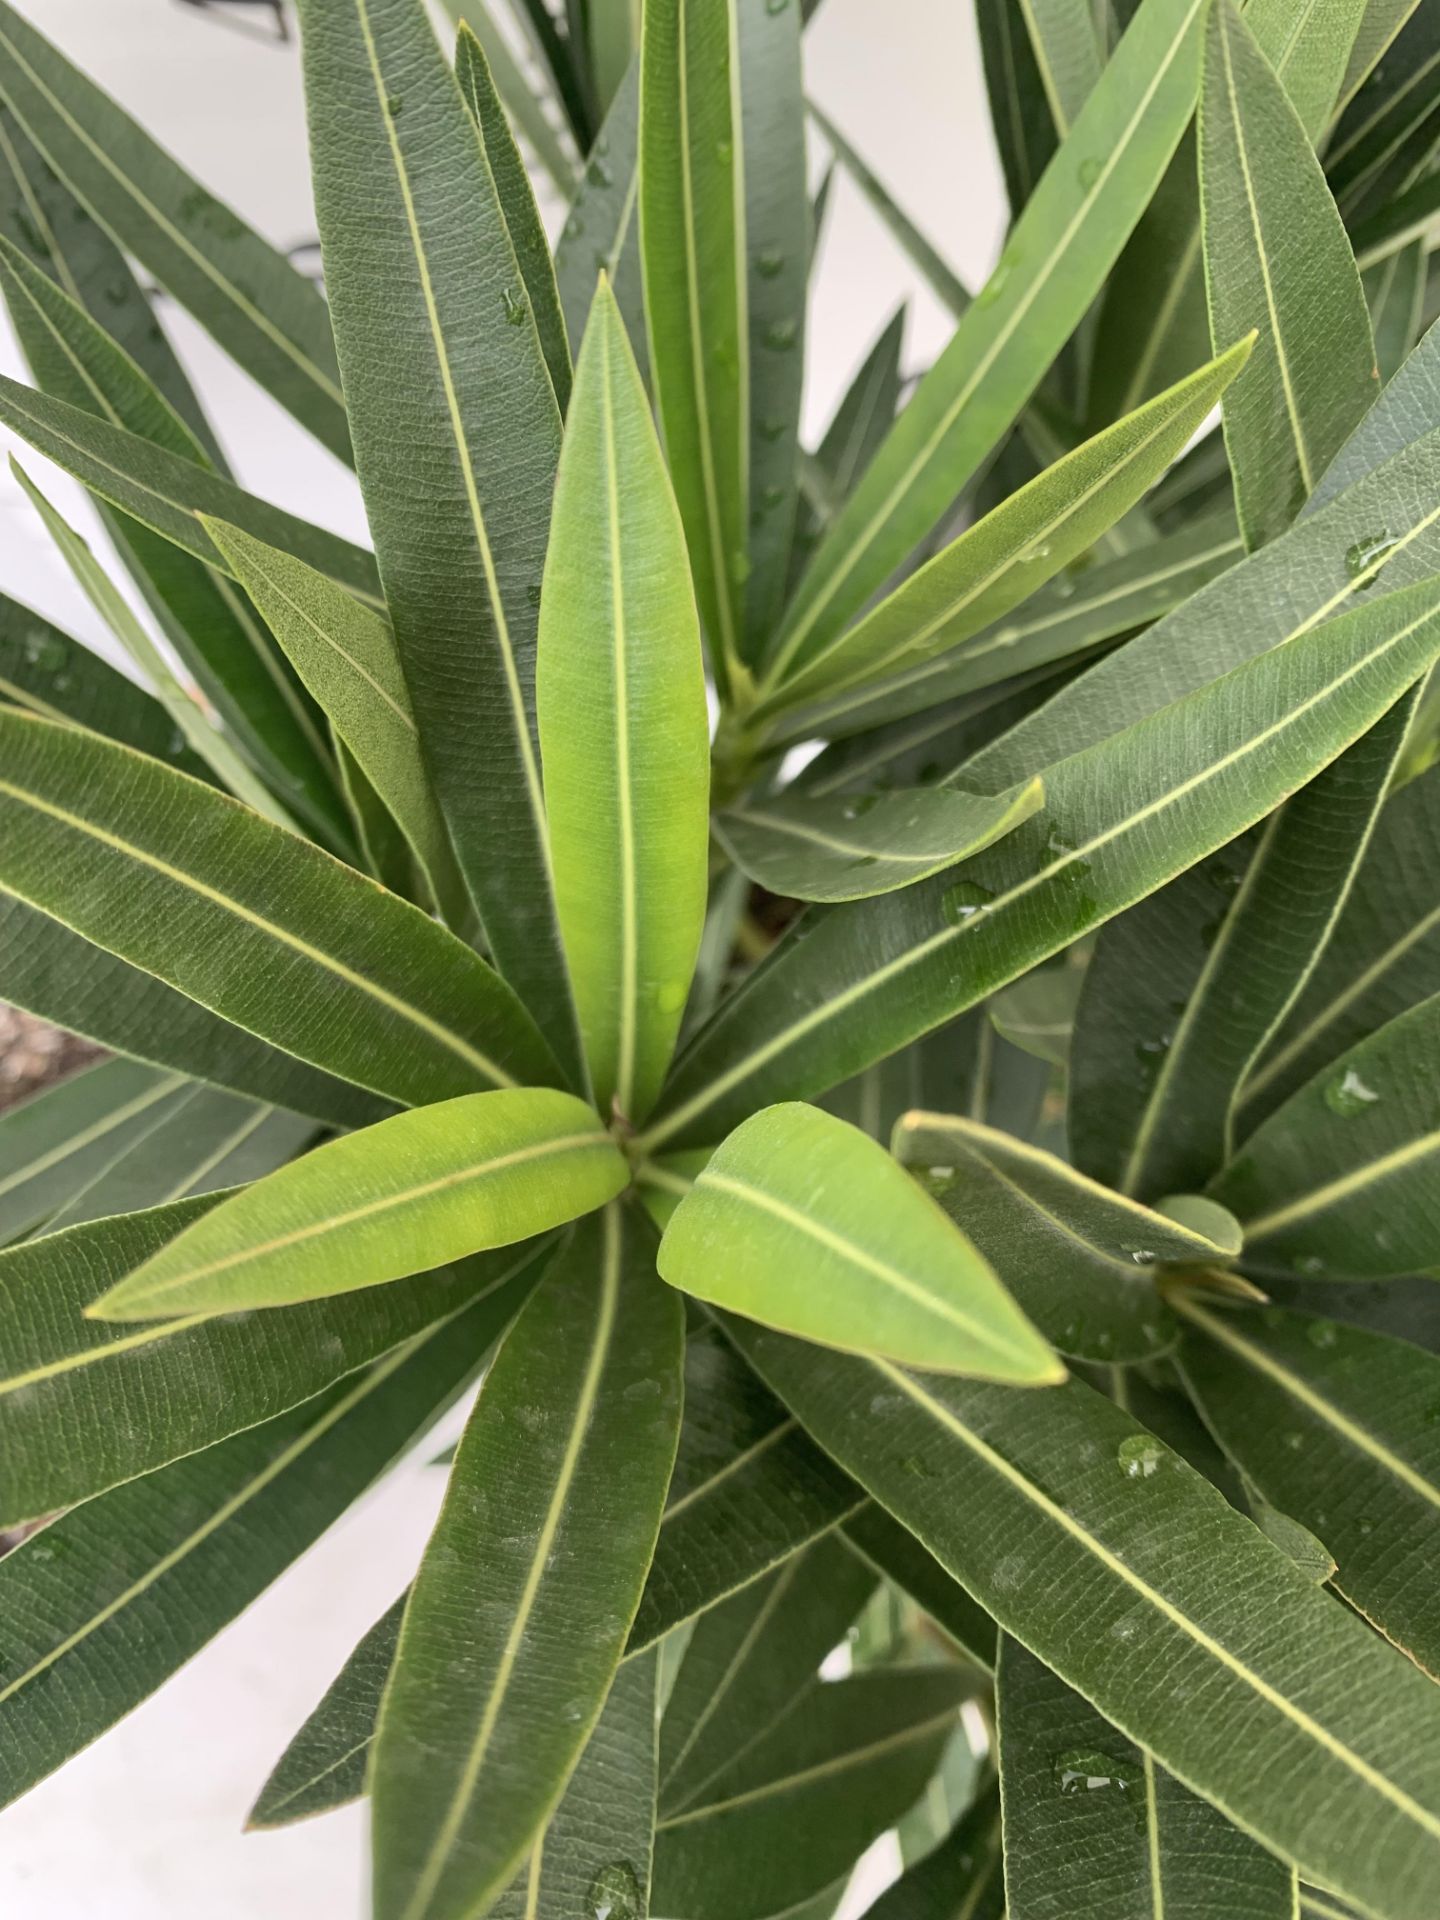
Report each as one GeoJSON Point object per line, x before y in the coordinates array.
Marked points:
{"type": "Point", "coordinates": [97, 1130]}
{"type": "Point", "coordinates": [627, 1011]}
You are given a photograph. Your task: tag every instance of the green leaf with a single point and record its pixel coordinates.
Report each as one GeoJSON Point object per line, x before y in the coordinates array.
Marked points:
{"type": "Point", "coordinates": [1395, 291]}
{"type": "Point", "coordinates": [1019, 112]}
{"type": "Point", "coordinates": [1016, 548]}
{"type": "Point", "coordinates": [517, 201]}
{"type": "Point", "coordinates": [58, 976]}
{"type": "Point", "coordinates": [749, 1658]}
{"type": "Point", "coordinates": [85, 1404]}
{"type": "Point", "coordinates": [1385, 138]}
{"type": "Point", "coordinates": [749, 1489]}
{"type": "Point", "coordinates": [522, 101]}
{"type": "Point", "coordinates": [1132, 1577]}
{"type": "Point", "coordinates": [542, 1547]}
{"type": "Point", "coordinates": [1342, 1175]}
{"type": "Point", "coordinates": [1186, 989]}
{"type": "Point", "coordinates": [1277, 259]}
{"type": "Point", "coordinates": [1079, 1259]}
{"type": "Point", "coordinates": [624, 732]}
{"type": "Point", "coordinates": [613, 30]}
{"type": "Point", "coordinates": [966, 1866]}
{"type": "Point", "coordinates": [692, 246]}
{"type": "Point", "coordinates": [1410, 216]}
{"type": "Point", "coordinates": [194, 888]}
{"type": "Point", "coordinates": [456, 461]}
{"type": "Point", "coordinates": [103, 1604]}
{"type": "Point", "coordinates": [851, 847]}
{"type": "Point", "coordinates": [438, 1183]}
{"type": "Point", "coordinates": [247, 295]}
{"type": "Point", "coordinates": [894, 1551]}
{"type": "Point", "coordinates": [796, 1808]}
{"type": "Point", "coordinates": [1333, 1426]}
{"type": "Point", "coordinates": [1383, 20]}
{"type": "Point", "coordinates": [1067, 53]}
{"type": "Point", "coordinates": [602, 232]}
{"type": "Point", "coordinates": [1094, 1828]}
{"type": "Point", "coordinates": [1053, 265]}
{"type": "Point", "coordinates": [1310, 49]}
{"type": "Point", "coordinates": [966, 1068]}
{"type": "Point", "coordinates": [345, 654]}
{"type": "Point", "coordinates": [801, 1221]}
{"type": "Point", "coordinates": [869, 977]}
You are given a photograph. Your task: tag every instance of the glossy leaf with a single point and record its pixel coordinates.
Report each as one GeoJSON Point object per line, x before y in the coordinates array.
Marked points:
{"type": "Point", "coordinates": [838, 847]}
{"type": "Point", "coordinates": [543, 1544]}
{"type": "Point", "coordinates": [1079, 1259]}
{"type": "Point", "coordinates": [692, 248]}
{"type": "Point", "coordinates": [457, 461]}
{"type": "Point", "coordinates": [1104, 1527]}
{"type": "Point", "coordinates": [623, 728]}
{"type": "Point", "coordinates": [800, 1221]}
{"type": "Point", "coordinates": [1276, 258]}
{"type": "Point", "coordinates": [177, 879]}
{"type": "Point", "coordinates": [438, 1183]}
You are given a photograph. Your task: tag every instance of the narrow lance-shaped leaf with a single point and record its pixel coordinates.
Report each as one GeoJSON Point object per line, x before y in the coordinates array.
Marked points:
{"type": "Point", "coordinates": [1395, 292]}
{"type": "Point", "coordinates": [801, 1221]}
{"type": "Point", "coordinates": [1067, 53]}
{"type": "Point", "coordinates": [255, 303]}
{"type": "Point", "coordinates": [487, 1170]}
{"type": "Point", "coordinates": [1054, 263]}
{"type": "Point", "coordinates": [602, 231]}
{"type": "Point", "coordinates": [524, 104]}
{"type": "Point", "coordinates": [692, 244]}
{"type": "Point", "coordinates": [624, 733]}
{"type": "Point", "coordinates": [1310, 49]}
{"type": "Point", "coordinates": [517, 201]}
{"type": "Point", "coordinates": [1080, 1259]}
{"type": "Point", "coordinates": [456, 462]}
{"type": "Point", "coordinates": [543, 1543]}
{"type": "Point", "coordinates": [1020, 116]}
{"type": "Point", "coordinates": [894, 1551]}
{"type": "Point", "coordinates": [1113, 1543]}
{"type": "Point", "coordinates": [967, 1866]}
{"type": "Point", "coordinates": [1276, 258]}
{"type": "Point", "coordinates": [1206, 767]}
{"type": "Point", "coordinates": [838, 847]}
{"type": "Point", "coordinates": [1094, 1828]}
{"type": "Point", "coordinates": [1364, 1133]}
{"type": "Point", "coordinates": [196, 889]}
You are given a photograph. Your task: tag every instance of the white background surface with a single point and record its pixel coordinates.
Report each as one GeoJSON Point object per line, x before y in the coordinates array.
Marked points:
{"type": "Point", "coordinates": [147, 1824]}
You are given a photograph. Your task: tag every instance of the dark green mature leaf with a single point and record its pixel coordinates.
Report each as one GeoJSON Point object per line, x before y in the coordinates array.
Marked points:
{"type": "Point", "coordinates": [1067, 53]}
{"type": "Point", "coordinates": [457, 461]}
{"type": "Point", "coordinates": [1078, 1258]}
{"type": "Point", "coordinates": [1383, 20]}
{"type": "Point", "coordinates": [1342, 1175]}
{"type": "Point", "coordinates": [801, 1221]}
{"type": "Point", "coordinates": [1093, 1828]}
{"type": "Point", "coordinates": [248, 295]}
{"type": "Point", "coordinates": [454, 1178]}
{"type": "Point", "coordinates": [1276, 258]}
{"type": "Point", "coordinates": [58, 976]}
{"type": "Point", "coordinates": [696, 305]}
{"type": "Point", "coordinates": [1186, 989]}
{"type": "Point", "coordinates": [525, 105]}
{"type": "Point", "coordinates": [1386, 136]}
{"type": "Point", "coordinates": [749, 1658]}
{"type": "Point", "coordinates": [836, 847]}
{"type": "Point", "coordinates": [85, 1404]}
{"type": "Point", "coordinates": [1110, 1541]}
{"type": "Point", "coordinates": [796, 1808]}
{"type": "Point", "coordinates": [1310, 49]}
{"type": "Point", "coordinates": [181, 881]}
{"type": "Point", "coordinates": [517, 201]}
{"type": "Point", "coordinates": [1054, 263]}
{"type": "Point", "coordinates": [542, 1545]}
{"type": "Point", "coordinates": [1395, 291]}
{"type": "Point", "coordinates": [894, 1551]}
{"type": "Point", "coordinates": [602, 232]}
{"type": "Point", "coordinates": [624, 733]}
{"type": "Point", "coordinates": [961, 1879]}
{"type": "Point", "coordinates": [103, 1604]}
{"type": "Point", "coordinates": [1206, 767]}
{"type": "Point", "coordinates": [1336, 1427]}
{"type": "Point", "coordinates": [1019, 112]}
{"type": "Point", "coordinates": [749, 1489]}
{"type": "Point", "coordinates": [967, 1067]}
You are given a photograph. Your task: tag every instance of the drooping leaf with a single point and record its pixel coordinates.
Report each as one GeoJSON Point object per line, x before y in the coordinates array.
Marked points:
{"type": "Point", "coordinates": [839, 847]}
{"type": "Point", "coordinates": [405, 1195]}
{"type": "Point", "coordinates": [1276, 258]}
{"type": "Point", "coordinates": [1079, 1259]}
{"type": "Point", "coordinates": [1104, 1529]}
{"type": "Point", "coordinates": [1334, 1426]}
{"type": "Point", "coordinates": [624, 731]}
{"type": "Point", "coordinates": [181, 881]}
{"type": "Point", "coordinates": [801, 1221]}
{"type": "Point", "coordinates": [542, 1546]}
{"type": "Point", "coordinates": [457, 461]}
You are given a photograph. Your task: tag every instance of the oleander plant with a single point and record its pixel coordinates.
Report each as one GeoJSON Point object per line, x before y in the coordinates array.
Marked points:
{"type": "Point", "coordinates": [881, 998]}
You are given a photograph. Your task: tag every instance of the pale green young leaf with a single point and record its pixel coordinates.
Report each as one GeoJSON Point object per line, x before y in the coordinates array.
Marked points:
{"type": "Point", "coordinates": [850, 847]}
{"type": "Point", "coordinates": [405, 1195]}
{"type": "Point", "coordinates": [1276, 259]}
{"type": "Point", "coordinates": [541, 1550]}
{"type": "Point", "coordinates": [693, 248]}
{"type": "Point", "coordinates": [624, 732]}
{"type": "Point", "coordinates": [801, 1221]}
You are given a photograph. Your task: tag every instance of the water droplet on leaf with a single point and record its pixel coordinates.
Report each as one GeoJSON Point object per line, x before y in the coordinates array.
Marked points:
{"type": "Point", "coordinates": [769, 263]}
{"type": "Point", "coordinates": [1364, 556]}
{"type": "Point", "coordinates": [1347, 1094]}
{"type": "Point", "coordinates": [615, 1893]}
{"type": "Point", "coordinates": [960, 904]}
{"type": "Point", "coordinates": [1139, 1455]}
{"type": "Point", "coordinates": [514, 307]}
